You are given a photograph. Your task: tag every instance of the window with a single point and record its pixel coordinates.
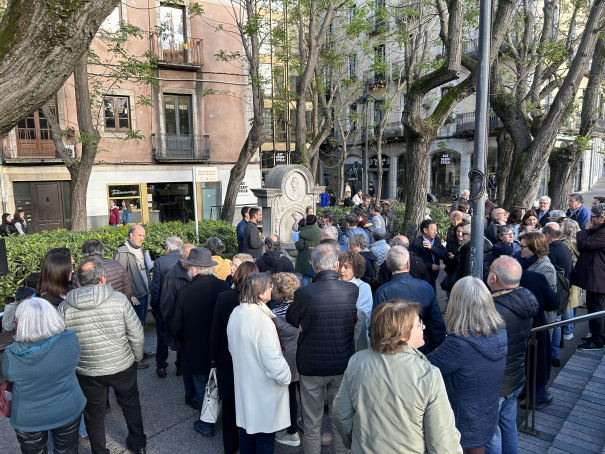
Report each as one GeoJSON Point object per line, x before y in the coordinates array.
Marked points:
{"type": "Point", "coordinates": [177, 112]}
{"type": "Point", "coordinates": [444, 91]}
{"type": "Point", "coordinates": [117, 113]}
{"type": "Point", "coordinates": [353, 117]}
{"type": "Point", "coordinates": [353, 68]}
{"type": "Point", "coordinates": [172, 24]}
{"type": "Point", "coordinates": [111, 24]}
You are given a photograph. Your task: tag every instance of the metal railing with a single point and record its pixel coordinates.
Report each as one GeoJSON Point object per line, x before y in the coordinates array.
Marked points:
{"type": "Point", "coordinates": [180, 147]}
{"type": "Point", "coordinates": [600, 126]}
{"type": "Point", "coordinates": [532, 351]}
{"type": "Point", "coordinates": [466, 122]}
{"type": "Point", "coordinates": [178, 50]}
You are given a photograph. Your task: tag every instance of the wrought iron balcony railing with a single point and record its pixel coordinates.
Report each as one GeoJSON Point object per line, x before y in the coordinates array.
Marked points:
{"type": "Point", "coordinates": [180, 147]}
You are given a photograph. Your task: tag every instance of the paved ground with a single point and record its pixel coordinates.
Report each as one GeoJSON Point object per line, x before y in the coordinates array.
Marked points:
{"type": "Point", "coordinates": [598, 189]}
{"type": "Point", "coordinates": [169, 422]}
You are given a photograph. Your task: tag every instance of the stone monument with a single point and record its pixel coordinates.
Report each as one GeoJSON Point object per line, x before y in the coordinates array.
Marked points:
{"type": "Point", "coordinates": [288, 191]}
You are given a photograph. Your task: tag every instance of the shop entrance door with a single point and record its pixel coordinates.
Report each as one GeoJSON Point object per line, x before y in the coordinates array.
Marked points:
{"type": "Point", "coordinates": [445, 176]}
{"type": "Point", "coordinates": [48, 206]}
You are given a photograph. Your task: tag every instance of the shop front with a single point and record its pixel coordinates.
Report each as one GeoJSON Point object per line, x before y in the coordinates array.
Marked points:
{"type": "Point", "coordinates": [445, 176]}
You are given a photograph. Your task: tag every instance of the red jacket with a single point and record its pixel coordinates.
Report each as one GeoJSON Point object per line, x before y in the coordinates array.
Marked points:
{"type": "Point", "coordinates": [114, 216]}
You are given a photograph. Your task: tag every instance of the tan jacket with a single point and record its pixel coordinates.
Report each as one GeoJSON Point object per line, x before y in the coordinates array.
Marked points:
{"type": "Point", "coordinates": [575, 295]}
{"type": "Point", "coordinates": [395, 403]}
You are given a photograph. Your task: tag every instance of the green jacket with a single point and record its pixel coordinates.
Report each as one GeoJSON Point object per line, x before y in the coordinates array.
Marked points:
{"type": "Point", "coordinates": [394, 403]}
{"type": "Point", "coordinates": [308, 237]}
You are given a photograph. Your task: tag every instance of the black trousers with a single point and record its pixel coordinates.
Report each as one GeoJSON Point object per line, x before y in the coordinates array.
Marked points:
{"type": "Point", "coordinates": [66, 439]}
{"type": "Point", "coordinates": [161, 351]}
{"type": "Point", "coordinates": [124, 386]}
{"type": "Point", "coordinates": [595, 302]}
{"type": "Point", "coordinates": [230, 429]}
{"type": "Point", "coordinates": [293, 408]}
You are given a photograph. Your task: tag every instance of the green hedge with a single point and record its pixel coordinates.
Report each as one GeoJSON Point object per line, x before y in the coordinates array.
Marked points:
{"type": "Point", "coordinates": [438, 214]}
{"type": "Point", "coordinates": [25, 253]}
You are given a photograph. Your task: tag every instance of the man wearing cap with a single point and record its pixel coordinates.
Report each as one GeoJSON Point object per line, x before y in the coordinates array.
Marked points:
{"type": "Point", "coordinates": [521, 205]}
{"type": "Point", "coordinates": [192, 323]}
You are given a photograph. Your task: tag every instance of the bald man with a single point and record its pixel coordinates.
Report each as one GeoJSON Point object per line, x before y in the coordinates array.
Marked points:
{"type": "Point", "coordinates": [517, 306]}
{"type": "Point", "coordinates": [273, 260]}
{"type": "Point", "coordinates": [417, 267]}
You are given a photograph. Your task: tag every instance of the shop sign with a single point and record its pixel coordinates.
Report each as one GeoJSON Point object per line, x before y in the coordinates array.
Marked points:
{"type": "Point", "coordinates": [280, 158]}
{"type": "Point", "coordinates": [124, 191]}
{"type": "Point", "coordinates": [243, 189]}
{"type": "Point", "coordinates": [373, 162]}
{"type": "Point", "coordinates": [445, 159]}
{"type": "Point", "coordinates": [206, 174]}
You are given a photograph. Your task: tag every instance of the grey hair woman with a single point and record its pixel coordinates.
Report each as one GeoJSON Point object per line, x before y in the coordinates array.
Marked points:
{"type": "Point", "coordinates": [223, 267]}
{"type": "Point", "coordinates": [556, 214]}
{"type": "Point", "coordinates": [506, 233]}
{"type": "Point", "coordinates": [41, 364]}
{"type": "Point", "coordinates": [477, 334]}
{"type": "Point", "coordinates": [261, 375]}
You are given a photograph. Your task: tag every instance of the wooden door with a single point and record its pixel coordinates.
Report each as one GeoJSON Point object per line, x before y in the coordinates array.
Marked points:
{"type": "Point", "coordinates": [48, 205]}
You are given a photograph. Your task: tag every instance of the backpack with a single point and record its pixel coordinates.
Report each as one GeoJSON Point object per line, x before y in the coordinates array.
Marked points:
{"type": "Point", "coordinates": [563, 290]}
{"type": "Point", "coordinates": [375, 276]}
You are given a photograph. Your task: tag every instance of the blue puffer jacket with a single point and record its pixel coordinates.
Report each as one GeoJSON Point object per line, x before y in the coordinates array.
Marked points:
{"type": "Point", "coordinates": [46, 393]}
{"type": "Point", "coordinates": [473, 368]}
{"type": "Point", "coordinates": [354, 231]}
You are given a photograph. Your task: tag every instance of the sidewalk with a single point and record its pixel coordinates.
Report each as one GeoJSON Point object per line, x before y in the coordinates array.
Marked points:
{"type": "Point", "coordinates": [597, 190]}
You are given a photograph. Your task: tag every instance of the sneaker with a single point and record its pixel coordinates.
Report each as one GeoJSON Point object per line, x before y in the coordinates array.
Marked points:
{"type": "Point", "coordinates": [326, 439]}
{"type": "Point", "coordinates": [568, 337]}
{"type": "Point", "coordinates": [142, 365]}
{"type": "Point", "coordinates": [589, 345]}
{"type": "Point", "coordinates": [285, 438]}
{"type": "Point", "coordinates": [587, 337]}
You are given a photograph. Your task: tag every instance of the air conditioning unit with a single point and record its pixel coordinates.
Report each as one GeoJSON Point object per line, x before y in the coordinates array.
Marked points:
{"type": "Point", "coordinates": [71, 150]}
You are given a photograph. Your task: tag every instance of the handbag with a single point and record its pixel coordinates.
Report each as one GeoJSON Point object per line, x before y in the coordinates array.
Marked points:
{"type": "Point", "coordinates": [212, 405]}
{"type": "Point", "coordinates": [6, 398]}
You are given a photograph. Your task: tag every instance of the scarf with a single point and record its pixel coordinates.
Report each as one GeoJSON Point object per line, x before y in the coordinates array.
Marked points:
{"type": "Point", "coordinates": [282, 308]}
{"type": "Point", "coordinates": [132, 245]}
{"type": "Point", "coordinates": [526, 263]}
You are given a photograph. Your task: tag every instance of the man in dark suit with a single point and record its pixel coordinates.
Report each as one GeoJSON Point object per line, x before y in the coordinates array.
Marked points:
{"type": "Point", "coordinates": [417, 268]}
{"type": "Point", "coordinates": [192, 324]}
{"type": "Point", "coordinates": [407, 288]}
{"type": "Point", "coordinates": [430, 249]}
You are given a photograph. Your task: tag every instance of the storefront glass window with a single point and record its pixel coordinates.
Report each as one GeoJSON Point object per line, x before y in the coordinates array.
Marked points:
{"type": "Point", "coordinates": [130, 193]}
{"type": "Point", "coordinates": [445, 176]}
{"type": "Point", "coordinates": [170, 202]}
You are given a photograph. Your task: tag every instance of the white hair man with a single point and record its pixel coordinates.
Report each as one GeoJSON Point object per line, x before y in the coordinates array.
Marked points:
{"type": "Point", "coordinates": [161, 266]}
{"type": "Point", "coordinates": [111, 338]}
{"type": "Point", "coordinates": [404, 286]}
{"type": "Point", "coordinates": [464, 195]}
{"type": "Point", "coordinates": [543, 209]}
{"type": "Point", "coordinates": [499, 216]}
{"type": "Point", "coordinates": [517, 306]}
{"type": "Point", "coordinates": [417, 268]}
{"type": "Point", "coordinates": [324, 349]}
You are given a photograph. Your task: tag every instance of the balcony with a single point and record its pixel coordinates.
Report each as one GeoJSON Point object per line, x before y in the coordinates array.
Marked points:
{"type": "Point", "coordinates": [180, 147]}
{"type": "Point", "coordinates": [394, 130]}
{"type": "Point", "coordinates": [173, 52]}
{"type": "Point", "coordinates": [465, 123]}
{"type": "Point", "coordinates": [33, 146]}
{"type": "Point", "coordinates": [378, 25]}
{"type": "Point", "coordinates": [377, 81]}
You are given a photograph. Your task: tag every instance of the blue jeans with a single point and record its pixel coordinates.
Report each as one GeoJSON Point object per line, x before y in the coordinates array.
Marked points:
{"type": "Point", "coordinates": [199, 384]}
{"type": "Point", "coordinates": [556, 333]}
{"type": "Point", "coordinates": [141, 309]}
{"type": "Point", "coordinates": [305, 279]}
{"type": "Point", "coordinates": [256, 443]}
{"type": "Point", "coordinates": [505, 438]}
{"type": "Point", "coordinates": [567, 330]}
{"type": "Point", "coordinates": [189, 387]}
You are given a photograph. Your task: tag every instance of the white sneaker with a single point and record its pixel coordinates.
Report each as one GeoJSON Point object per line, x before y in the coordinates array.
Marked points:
{"type": "Point", "coordinates": [285, 438]}
{"type": "Point", "coordinates": [326, 439]}
{"type": "Point", "coordinates": [568, 337]}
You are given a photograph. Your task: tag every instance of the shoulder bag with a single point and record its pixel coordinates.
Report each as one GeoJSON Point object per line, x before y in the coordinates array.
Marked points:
{"type": "Point", "coordinates": [212, 405]}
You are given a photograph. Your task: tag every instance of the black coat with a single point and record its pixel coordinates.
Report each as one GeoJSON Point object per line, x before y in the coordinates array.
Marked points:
{"type": "Point", "coordinates": [327, 312]}
{"type": "Point", "coordinates": [518, 308]}
{"type": "Point", "coordinates": [417, 270]}
{"type": "Point", "coordinates": [491, 233]}
{"type": "Point", "coordinates": [251, 241]}
{"type": "Point", "coordinates": [370, 258]}
{"type": "Point", "coordinates": [560, 256]}
{"type": "Point", "coordinates": [348, 202]}
{"type": "Point", "coordinates": [429, 256]}
{"type": "Point", "coordinates": [8, 229]}
{"type": "Point", "coordinates": [589, 272]}
{"type": "Point", "coordinates": [548, 300]}
{"type": "Point", "coordinates": [463, 257]}
{"type": "Point", "coordinates": [274, 262]}
{"type": "Point", "coordinates": [220, 357]}
{"type": "Point", "coordinates": [161, 267]}
{"type": "Point", "coordinates": [176, 278]}
{"type": "Point", "coordinates": [390, 224]}
{"type": "Point", "coordinates": [192, 321]}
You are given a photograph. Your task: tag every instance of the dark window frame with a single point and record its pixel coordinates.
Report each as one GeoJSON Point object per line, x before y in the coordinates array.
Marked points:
{"type": "Point", "coordinates": [116, 116]}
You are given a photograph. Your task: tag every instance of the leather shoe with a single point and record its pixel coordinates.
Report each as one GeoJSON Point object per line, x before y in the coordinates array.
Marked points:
{"type": "Point", "coordinates": [539, 405]}
{"type": "Point", "coordinates": [131, 448]}
{"type": "Point", "coordinates": [562, 343]}
{"type": "Point", "coordinates": [556, 362]}
{"type": "Point", "coordinates": [147, 355]}
{"type": "Point", "coordinates": [161, 373]}
{"type": "Point", "coordinates": [590, 345]}
{"type": "Point", "coordinates": [142, 365]}
{"type": "Point", "coordinates": [179, 373]}
{"type": "Point", "coordinates": [586, 338]}
{"type": "Point", "coordinates": [203, 428]}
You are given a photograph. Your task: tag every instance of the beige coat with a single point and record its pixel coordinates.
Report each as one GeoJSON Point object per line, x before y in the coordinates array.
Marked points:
{"type": "Point", "coordinates": [575, 296]}
{"type": "Point", "coordinates": [261, 374]}
{"type": "Point", "coordinates": [394, 403]}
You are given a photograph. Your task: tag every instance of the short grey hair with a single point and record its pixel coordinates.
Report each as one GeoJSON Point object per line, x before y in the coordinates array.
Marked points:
{"type": "Point", "coordinates": [93, 275]}
{"type": "Point", "coordinates": [507, 270]}
{"type": "Point", "coordinates": [545, 197]}
{"type": "Point", "coordinates": [204, 270]}
{"type": "Point", "coordinates": [174, 243]}
{"type": "Point", "coordinates": [556, 214]}
{"type": "Point", "coordinates": [550, 230]}
{"type": "Point", "coordinates": [398, 258]}
{"type": "Point", "coordinates": [37, 320]}
{"type": "Point", "coordinates": [504, 229]}
{"type": "Point", "coordinates": [399, 242]}
{"type": "Point", "coordinates": [214, 245]}
{"type": "Point", "coordinates": [378, 235]}
{"type": "Point", "coordinates": [471, 309]}
{"type": "Point", "coordinates": [325, 257]}
{"type": "Point", "coordinates": [577, 196]}
{"type": "Point", "coordinates": [272, 245]}
{"type": "Point", "coordinates": [598, 209]}
{"type": "Point", "coordinates": [357, 240]}
{"type": "Point", "coordinates": [465, 192]}
{"type": "Point", "coordinates": [569, 230]}
{"type": "Point", "coordinates": [329, 231]}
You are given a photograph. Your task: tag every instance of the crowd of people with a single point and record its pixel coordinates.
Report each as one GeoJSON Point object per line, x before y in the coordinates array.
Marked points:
{"type": "Point", "coordinates": [352, 329]}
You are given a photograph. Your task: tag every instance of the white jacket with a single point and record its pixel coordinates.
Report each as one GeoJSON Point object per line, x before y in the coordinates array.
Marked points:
{"type": "Point", "coordinates": [261, 374]}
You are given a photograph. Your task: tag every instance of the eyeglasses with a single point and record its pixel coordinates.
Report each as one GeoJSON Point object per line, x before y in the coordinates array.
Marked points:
{"type": "Point", "coordinates": [597, 216]}
{"type": "Point", "coordinates": [420, 323]}
{"type": "Point", "coordinates": [523, 247]}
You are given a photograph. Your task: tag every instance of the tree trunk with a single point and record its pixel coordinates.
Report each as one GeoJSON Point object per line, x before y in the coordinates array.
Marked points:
{"type": "Point", "coordinates": [40, 44]}
{"type": "Point", "coordinates": [416, 183]}
{"type": "Point", "coordinates": [563, 163]}
{"type": "Point", "coordinates": [505, 156]}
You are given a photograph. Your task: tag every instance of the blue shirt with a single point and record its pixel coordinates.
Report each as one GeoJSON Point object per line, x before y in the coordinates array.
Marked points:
{"type": "Point", "coordinates": [240, 235]}
{"type": "Point", "coordinates": [581, 216]}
